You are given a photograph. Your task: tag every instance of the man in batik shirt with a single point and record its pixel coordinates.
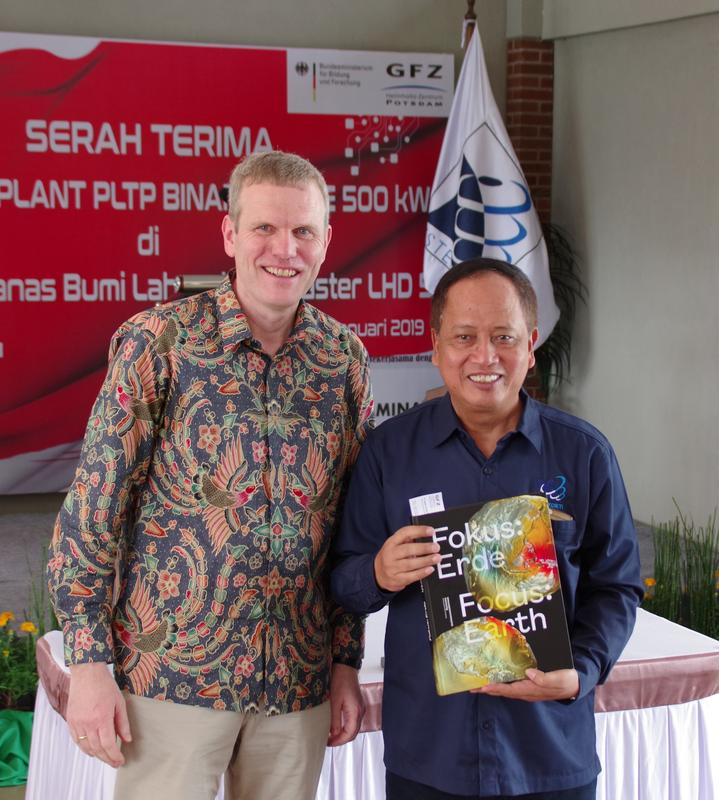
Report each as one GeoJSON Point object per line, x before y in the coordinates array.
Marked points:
{"type": "Point", "coordinates": [191, 551]}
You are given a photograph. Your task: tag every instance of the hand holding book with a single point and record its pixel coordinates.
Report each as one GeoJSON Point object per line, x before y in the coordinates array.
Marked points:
{"type": "Point", "coordinates": [559, 684]}
{"type": "Point", "coordinates": [407, 556]}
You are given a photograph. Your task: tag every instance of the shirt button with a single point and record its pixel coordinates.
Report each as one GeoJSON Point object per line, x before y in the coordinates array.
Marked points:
{"type": "Point", "coordinates": [487, 470]}
{"type": "Point", "coordinates": [487, 725]}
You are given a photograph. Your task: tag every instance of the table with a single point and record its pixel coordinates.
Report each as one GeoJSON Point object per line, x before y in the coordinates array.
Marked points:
{"type": "Point", "coordinates": [657, 716]}
{"type": "Point", "coordinates": [657, 721]}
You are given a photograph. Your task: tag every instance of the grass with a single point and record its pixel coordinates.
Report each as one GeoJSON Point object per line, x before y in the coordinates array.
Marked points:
{"type": "Point", "coordinates": [685, 586]}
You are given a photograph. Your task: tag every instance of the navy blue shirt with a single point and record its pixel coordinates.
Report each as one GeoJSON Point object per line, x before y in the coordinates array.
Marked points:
{"type": "Point", "coordinates": [477, 744]}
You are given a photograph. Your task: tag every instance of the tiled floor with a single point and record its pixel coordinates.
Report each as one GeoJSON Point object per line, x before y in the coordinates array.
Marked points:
{"type": "Point", "coordinates": [12, 792]}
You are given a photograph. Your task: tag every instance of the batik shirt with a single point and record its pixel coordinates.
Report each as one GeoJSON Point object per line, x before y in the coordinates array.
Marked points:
{"type": "Point", "coordinates": [211, 475]}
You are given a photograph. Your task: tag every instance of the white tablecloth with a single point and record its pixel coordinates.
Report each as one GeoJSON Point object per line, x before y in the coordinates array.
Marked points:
{"type": "Point", "coordinates": [659, 740]}
{"type": "Point", "coordinates": [58, 769]}
{"type": "Point", "coordinates": [662, 753]}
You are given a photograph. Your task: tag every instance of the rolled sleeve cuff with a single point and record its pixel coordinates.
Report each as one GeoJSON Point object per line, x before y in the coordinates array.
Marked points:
{"type": "Point", "coordinates": [588, 673]}
{"type": "Point", "coordinates": [87, 643]}
{"type": "Point", "coordinates": [355, 587]}
{"type": "Point", "coordinates": [348, 640]}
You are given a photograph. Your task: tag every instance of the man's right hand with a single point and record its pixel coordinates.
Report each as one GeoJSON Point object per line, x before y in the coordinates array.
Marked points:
{"type": "Point", "coordinates": [96, 713]}
{"type": "Point", "coordinates": [407, 556]}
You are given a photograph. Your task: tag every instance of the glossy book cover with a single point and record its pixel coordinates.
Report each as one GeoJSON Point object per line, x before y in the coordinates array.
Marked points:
{"type": "Point", "coordinates": [494, 602]}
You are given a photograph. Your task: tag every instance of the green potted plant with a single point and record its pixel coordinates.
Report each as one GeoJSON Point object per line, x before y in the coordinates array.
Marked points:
{"type": "Point", "coordinates": [685, 584]}
{"type": "Point", "coordinates": [18, 682]}
{"type": "Point", "coordinates": [18, 673]}
{"type": "Point", "coordinates": [554, 356]}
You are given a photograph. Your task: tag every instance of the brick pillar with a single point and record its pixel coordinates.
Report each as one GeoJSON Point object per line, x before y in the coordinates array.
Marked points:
{"type": "Point", "coordinates": [530, 106]}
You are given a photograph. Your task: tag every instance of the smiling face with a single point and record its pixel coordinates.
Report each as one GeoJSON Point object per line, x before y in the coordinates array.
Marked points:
{"type": "Point", "coordinates": [278, 243]}
{"type": "Point", "coordinates": [484, 349]}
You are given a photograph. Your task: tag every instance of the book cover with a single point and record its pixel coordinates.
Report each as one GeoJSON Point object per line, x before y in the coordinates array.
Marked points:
{"type": "Point", "coordinates": [494, 602]}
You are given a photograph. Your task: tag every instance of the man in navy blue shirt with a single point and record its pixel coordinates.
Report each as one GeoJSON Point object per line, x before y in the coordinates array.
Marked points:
{"type": "Point", "coordinates": [484, 440]}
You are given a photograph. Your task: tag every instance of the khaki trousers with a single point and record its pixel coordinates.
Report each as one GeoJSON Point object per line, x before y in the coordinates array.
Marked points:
{"type": "Point", "coordinates": [180, 752]}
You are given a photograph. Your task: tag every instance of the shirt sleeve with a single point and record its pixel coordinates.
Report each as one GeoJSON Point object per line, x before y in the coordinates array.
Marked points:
{"type": "Point", "coordinates": [363, 531]}
{"type": "Point", "coordinates": [609, 588]}
{"type": "Point", "coordinates": [90, 531]}
{"type": "Point", "coordinates": [348, 626]}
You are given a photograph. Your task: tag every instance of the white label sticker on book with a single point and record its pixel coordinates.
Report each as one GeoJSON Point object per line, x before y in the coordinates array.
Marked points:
{"type": "Point", "coordinates": [426, 504]}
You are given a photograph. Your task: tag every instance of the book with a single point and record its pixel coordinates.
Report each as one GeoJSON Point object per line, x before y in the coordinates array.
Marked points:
{"type": "Point", "coordinates": [494, 602]}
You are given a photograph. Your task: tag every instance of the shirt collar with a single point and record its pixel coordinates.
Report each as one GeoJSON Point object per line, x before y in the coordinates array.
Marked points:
{"type": "Point", "coordinates": [529, 423]}
{"type": "Point", "coordinates": [446, 422]}
{"type": "Point", "coordinates": [233, 324]}
{"type": "Point", "coordinates": [231, 321]}
{"type": "Point", "coordinates": [306, 325]}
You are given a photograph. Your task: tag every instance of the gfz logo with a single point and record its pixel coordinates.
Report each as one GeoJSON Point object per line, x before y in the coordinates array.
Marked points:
{"type": "Point", "coordinates": [399, 70]}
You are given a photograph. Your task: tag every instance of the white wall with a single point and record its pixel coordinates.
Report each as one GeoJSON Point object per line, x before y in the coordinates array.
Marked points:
{"type": "Point", "coordinates": [637, 185]}
{"type": "Point", "coordinates": [574, 17]}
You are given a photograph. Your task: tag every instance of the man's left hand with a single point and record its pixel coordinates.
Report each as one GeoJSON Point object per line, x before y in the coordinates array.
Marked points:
{"type": "Point", "coordinates": [347, 705]}
{"type": "Point", "coordinates": [560, 684]}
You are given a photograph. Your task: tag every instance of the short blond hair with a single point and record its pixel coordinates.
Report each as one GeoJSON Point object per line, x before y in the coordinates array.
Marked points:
{"type": "Point", "coordinates": [278, 168]}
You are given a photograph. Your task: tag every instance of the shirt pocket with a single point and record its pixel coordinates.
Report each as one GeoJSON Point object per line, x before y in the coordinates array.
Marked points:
{"type": "Point", "coordinates": [566, 544]}
{"type": "Point", "coordinates": [564, 532]}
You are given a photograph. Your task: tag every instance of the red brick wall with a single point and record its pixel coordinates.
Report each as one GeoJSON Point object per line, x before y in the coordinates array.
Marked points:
{"type": "Point", "coordinates": [530, 102]}
{"type": "Point", "coordinates": [532, 386]}
{"type": "Point", "coordinates": [530, 107]}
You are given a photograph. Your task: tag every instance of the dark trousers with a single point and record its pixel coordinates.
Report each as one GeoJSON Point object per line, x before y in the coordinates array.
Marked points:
{"type": "Point", "coordinates": [403, 789]}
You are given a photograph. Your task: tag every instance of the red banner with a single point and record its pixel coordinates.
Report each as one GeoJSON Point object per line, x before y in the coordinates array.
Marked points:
{"type": "Point", "coordinates": [113, 160]}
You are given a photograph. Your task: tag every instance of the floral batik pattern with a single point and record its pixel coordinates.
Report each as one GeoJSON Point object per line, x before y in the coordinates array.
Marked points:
{"type": "Point", "coordinates": [211, 475]}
